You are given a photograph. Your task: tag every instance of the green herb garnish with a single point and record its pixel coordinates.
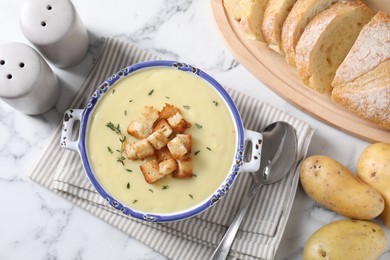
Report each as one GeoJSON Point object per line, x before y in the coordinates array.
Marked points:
{"type": "Point", "coordinates": [135, 201]}
{"type": "Point", "coordinates": [167, 97]}
{"type": "Point", "coordinates": [199, 126]}
{"type": "Point", "coordinates": [121, 160]}
{"type": "Point", "coordinates": [128, 185]}
{"type": "Point", "coordinates": [130, 100]}
{"type": "Point", "coordinates": [197, 152]}
{"type": "Point", "coordinates": [114, 128]}
{"type": "Point", "coordinates": [151, 190]}
{"type": "Point", "coordinates": [164, 187]}
{"type": "Point", "coordinates": [128, 170]}
{"type": "Point", "coordinates": [125, 112]}
{"type": "Point", "coordinates": [186, 107]}
{"type": "Point", "coordinates": [215, 103]}
{"type": "Point", "coordinates": [123, 139]}
{"type": "Point", "coordinates": [208, 148]}
{"type": "Point", "coordinates": [109, 150]}
{"type": "Point", "coordinates": [151, 92]}
{"type": "Point", "coordinates": [192, 197]}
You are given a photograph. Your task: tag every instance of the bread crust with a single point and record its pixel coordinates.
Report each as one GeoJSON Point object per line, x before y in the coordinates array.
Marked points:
{"type": "Point", "coordinates": [300, 15]}
{"type": "Point", "coordinates": [274, 16]}
{"type": "Point", "coordinates": [368, 96]}
{"type": "Point", "coordinates": [252, 18]}
{"type": "Point", "coordinates": [322, 47]}
{"type": "Point", "coordinates": [362, 82]}
{"type": "Point", "coordinates": [372, 47]}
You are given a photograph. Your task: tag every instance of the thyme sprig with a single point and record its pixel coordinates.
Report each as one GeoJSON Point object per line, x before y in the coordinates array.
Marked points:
{"type": "Point", "coordinates": [114, 128]}
{"type": "Point", "coordinates": [122, 139]}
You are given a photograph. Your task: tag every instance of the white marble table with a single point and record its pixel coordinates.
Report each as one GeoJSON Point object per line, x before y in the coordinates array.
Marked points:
{"type": "Point", "coordinates": [37, 224]}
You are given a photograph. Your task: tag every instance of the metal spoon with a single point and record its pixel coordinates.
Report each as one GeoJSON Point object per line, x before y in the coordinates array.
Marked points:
{"type": "Point", "coordinates": [279, 154]}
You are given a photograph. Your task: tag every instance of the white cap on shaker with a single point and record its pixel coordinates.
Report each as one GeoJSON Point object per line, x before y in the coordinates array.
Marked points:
{"type": "Point", "coordinates": [56, 30]}
{"type": "Point", "coordinates": [27, 83]}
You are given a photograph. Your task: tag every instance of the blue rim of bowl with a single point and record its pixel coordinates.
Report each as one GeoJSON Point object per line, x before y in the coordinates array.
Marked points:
{"type": "Point", "coordinates": [110, 82]}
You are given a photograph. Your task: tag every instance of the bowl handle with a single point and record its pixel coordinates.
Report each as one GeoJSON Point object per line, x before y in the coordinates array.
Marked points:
{"type": "Point", "coordinates": [70, 139]}
{"type": "Point", "coordinates": [252, 163]}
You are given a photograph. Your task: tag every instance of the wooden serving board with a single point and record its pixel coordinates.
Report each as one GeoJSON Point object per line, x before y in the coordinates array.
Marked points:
{"type": "Point", "coordinates": [272, 69]}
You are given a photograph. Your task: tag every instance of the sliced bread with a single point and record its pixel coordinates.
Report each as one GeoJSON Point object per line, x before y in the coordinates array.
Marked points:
{"type": "Point", "coordinates": [252, 18]}
{"type": "Point", "coordinates": [298, 18]}
{"type": "Point", "coordinates": [233, 8]}
{"type": "Point", "coordinates": [371, 48]}
{"type": "Point", "coordinates": [326, 41]}
{"type": "Point", "coordinates": [274, 16]}
{"type": "Point", "coordinates": [362, 82]}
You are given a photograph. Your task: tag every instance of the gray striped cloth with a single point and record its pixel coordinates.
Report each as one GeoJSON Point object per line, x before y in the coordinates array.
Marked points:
{"type": "Point", "coordinates": [260, 234]}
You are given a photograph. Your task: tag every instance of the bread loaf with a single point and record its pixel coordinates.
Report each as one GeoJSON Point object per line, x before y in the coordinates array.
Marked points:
{"type": "Point", "coordinates": [362, 82]}
{"type": "Point", "coordinates": [300, 15]}
{"type": "Point", "coordinates": [326, 41]}
{"type": "Point", "coordinates": [274, 16]}
{"type": "Point", "coordinates": [233, 8]}
{"type": "Point", "coordinates": [336, 46]}
{"type": "Point", "coordinates": [252, 18]}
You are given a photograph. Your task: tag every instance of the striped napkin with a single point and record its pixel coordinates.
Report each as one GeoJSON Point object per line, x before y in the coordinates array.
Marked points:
{"type": "Point", "coordinates": [260, 234]}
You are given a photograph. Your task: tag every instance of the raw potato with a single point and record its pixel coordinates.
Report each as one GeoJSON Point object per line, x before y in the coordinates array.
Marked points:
{"type": "Point", "coordinates": [346, 239]}
{"type": "Point", "coordinates": [333, 186]}
{"type": "Point", "coordinates": [373, 167]}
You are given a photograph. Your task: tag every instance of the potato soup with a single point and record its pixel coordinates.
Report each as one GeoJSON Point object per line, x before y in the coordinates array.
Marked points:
{"type": "Point", "coordinates": [213, 140]}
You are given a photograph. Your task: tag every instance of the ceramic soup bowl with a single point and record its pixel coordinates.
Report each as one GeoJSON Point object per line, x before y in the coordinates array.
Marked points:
{"type": "Point", "coordinates": [161, 141]}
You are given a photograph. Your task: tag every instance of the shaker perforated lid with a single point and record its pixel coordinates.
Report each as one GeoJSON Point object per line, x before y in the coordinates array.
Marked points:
{"type": "Point", "coordinates": [20, 66]}
{"type": "Point", "coordinates": [46, 22]}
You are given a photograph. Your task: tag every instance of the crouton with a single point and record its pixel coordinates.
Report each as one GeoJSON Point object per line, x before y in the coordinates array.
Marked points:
{"type": "Point", "coordinates": [158, 139]}
{"type": "Point", "coordinates": [130, 152]}
{"type": "Point", "coordinates": [184, 168]}
{"type": "Point", "coordinates": [168, 111]}
{"type": "Point", "coordinates": [154, 130]}
{"type": "Point", "coordinates": [180, 145]}
{"type": "Point", "coordinates": [139, 150]}
{"type": "Point", "coordinates": [186, 139]}
{"type": "Point", "coordinates": [139, 130]}
{"type": "Point", "coordinates": [150, 170]}
{"type": "Point", "coordinates": [178, 123]}
{"type": "Point", "coordinates": [164, 126]}
{"type": "Point", "coordinates": [143, 127]}
{"type": "Point", "coordinates": [167, 166]}
{"type": "Point", "coordinates": [150, 115]}
{"type": "Point", "coordinates": [163, 154]}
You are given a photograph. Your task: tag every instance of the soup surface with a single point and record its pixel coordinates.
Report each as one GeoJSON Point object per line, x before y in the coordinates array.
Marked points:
{"type": "Point", "coordinates": [213, 139]}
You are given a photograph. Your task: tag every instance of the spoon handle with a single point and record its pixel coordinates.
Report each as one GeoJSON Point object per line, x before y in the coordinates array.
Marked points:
{"type": "Point", "coordinates": [223, 248]}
